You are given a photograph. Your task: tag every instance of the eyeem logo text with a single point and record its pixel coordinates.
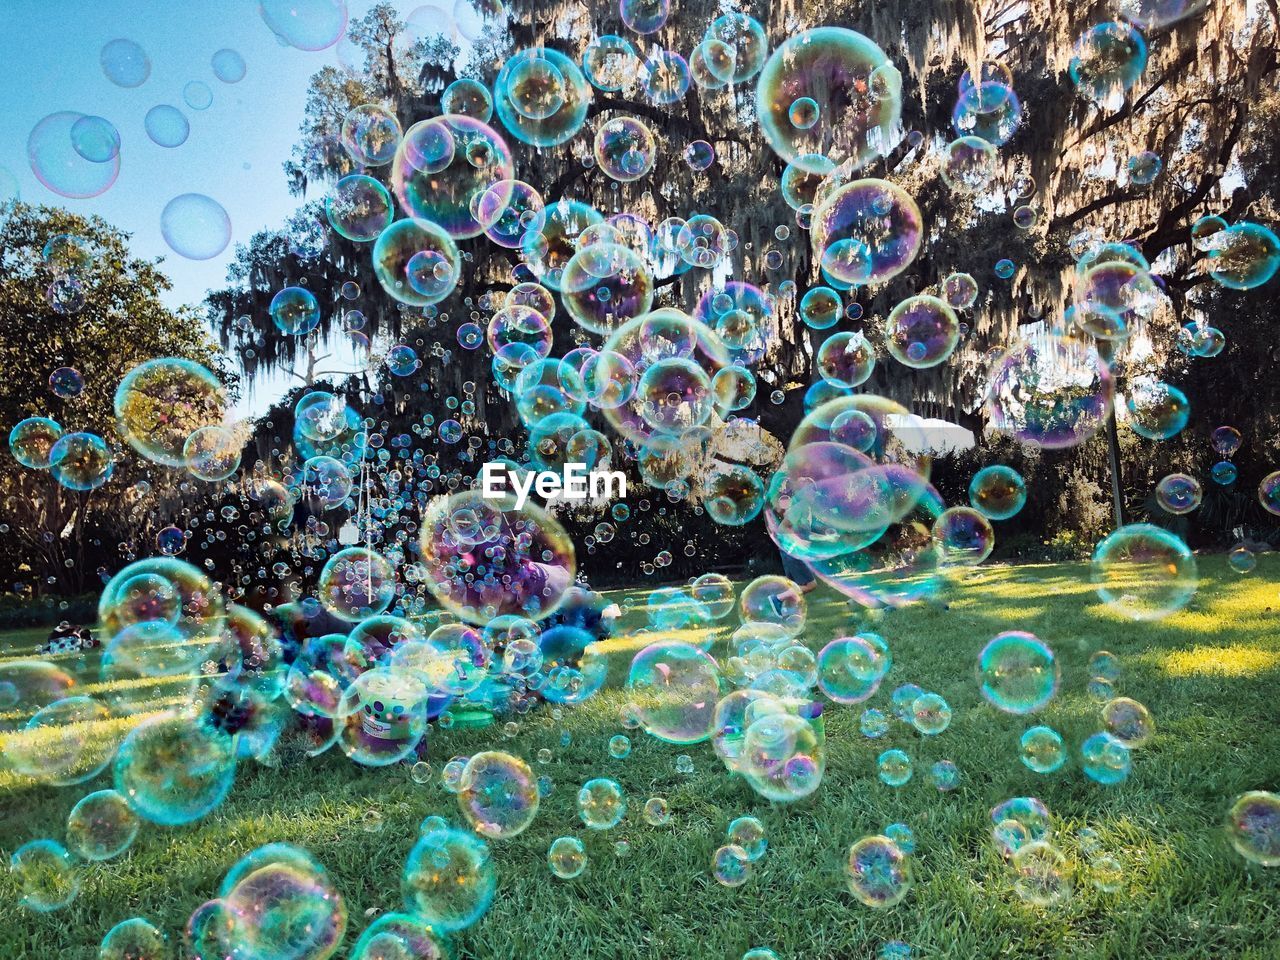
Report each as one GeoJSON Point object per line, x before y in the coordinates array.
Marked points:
{"type": "Point", "coordinates": [576, 483]}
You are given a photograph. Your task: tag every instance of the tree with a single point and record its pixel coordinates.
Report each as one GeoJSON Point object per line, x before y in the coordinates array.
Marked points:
{"type": "Point", "coordinates": [121, 323]}
{"type": "Point", "coordinates": [1200, 103]}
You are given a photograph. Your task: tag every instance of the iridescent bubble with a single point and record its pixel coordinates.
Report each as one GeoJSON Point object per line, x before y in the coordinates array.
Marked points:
{"type": "Point", "coordinates": [1179, 493]}
{"type": "Point", "coordinates": [894, 767]}
{"type": "Point", "coordinates": [467, 97]}
{"type": "Point", "coordinates": [666, 77]}
{"type": "Point", "coordinates": [32, 440]}
{"type": "Point", "coordinates": [46, 874]}
{"type": "Point", "coordinates": [133, 939]}
{"type": "Point", "coordinates": [1128, 721]}
{"type": "Point", "coordinates": [228, 65]}
{"type": "Point", "coordinates": [359, 208]}
{"type": "Point", "coordinates": [167, 126]}
{"type": "Point", "coordinates": [969, 165]}
{"type": "Point", "coordinates": [125, 63]}
{"type": "Point", "coordinates": [998, 491]}
{"type": "Point", "coordinates": [610, 62]}
{"type": "Point", "coordinates": [1017, 672]}
{"type": "Point", "coordinates": [101, 826]}
{"type": "Point", "coordinates": [676, 688]}
{"type": "Point", "coordinates": [370, 134]}
{"type": "Point", "coordinates": [1107, 61]}
{"type": "Point", "coordinates": [442, 169]}
{"type": "Point", "coordinates": [54, 159]}
{"type": "Point", "coordinates": [625, 148]}
{"type": "Point", "coordinates": [850, 669]}
{"type": "Point", "coordinates": [498, 794]}
{"type": "Point", "coordinates": [1144, 572]}
{"type": "Point", "coordinates": [865, 231]}
{"type": "Point", "coordinates": [529, 559]}
{"type": "Point", "coordinates": [783, 757]}
{"type": "Point", "coordinates": [1042, 875]}
{"type": "Point", "coordinates": [644, 16]}
{"type": "Point", "coordinates": [855, 89]}
{"type": "Point", "coordinates": [1224, 473]}
{"type": "Point", "coordinates": [541, 96]}
{"type": "Point", "coordinates": [1051, 392]}
{"type": "Point", "coordinates": [930, 714]}
{"type": "Point", "coordinates": [195, 226]}
{"type": "Point", "coordinates": [171, 771]}
{"type": "Point", "coordinates": [1043, 750]}
{"type": "Point", "coordinates": [1268, 491]}
{"type": "Point", "coordinates": [879, 873]}
{"type": "Point", "coordinates": [305, 24]}
{"type": "Point", "coordinates": [846, 359]}
{"type": "Point", "coordinates": [749, 834]}
{"type": "Point", "coordinates": [95, 138]}
{"type": "Point", "coordinates": [356, 583]}
{"type": "Point", "coordinates": [988, 109]}
{"type": "Point", "coordinates": [1105, 759]}
{"type": "Point", "coordinates": [605, 285]}
{"type": "Point", "coordinates": [921, 332]}
{"type": "Point", "coordinates": [1253, 827]}
{"type": "Point", "coordinates": [398, 245]}
{"type": "Point", "coordinates": [730, 866]}
{"type": "Point", "coordinates": [601, 804]}
{"type": "Point", "coordinates": [567, 857]}
{"type": "Point", "coordinates": [81, 461]}
{"type": "Point", "coordinates": [1244, 255]}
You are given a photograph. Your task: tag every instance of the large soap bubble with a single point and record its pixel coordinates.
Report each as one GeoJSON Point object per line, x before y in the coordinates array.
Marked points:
{"type": "Point", "coordinates": [676, 688]}
{"type": "Point", "coordinates": [443, 167]}
{"type": "Point", "coordinates": [172, 771]}
{"type": "Point", "coordinates": [1144, 572]}
{"type": "Point", "coordinates": [541, 96]}
{"type": "Point", "coordinates": [1050, 392]}
{"type": "Point", "coordinates": [160, 403]}
{"type": "Point", "coordinates": [51, 151]}
{"type": "Point", "coordinates": [853, 87]}
{"type": "Point", "coordinates": [865, 231]}
{"type": "Point", "coordinates": [449, 879]}
{"type": "Point", "coordinates": [195, 226]}
{"type": "Point", "coordinates": [485, 558]}
{"type": "Point", "coordinates": [416, 262]}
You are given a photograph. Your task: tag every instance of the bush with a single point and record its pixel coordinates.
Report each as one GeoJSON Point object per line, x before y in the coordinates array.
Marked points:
{"type": "Point", "coordinates": [18, 611]}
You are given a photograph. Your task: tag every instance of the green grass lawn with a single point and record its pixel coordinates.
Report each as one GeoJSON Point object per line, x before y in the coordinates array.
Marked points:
{"type": "Point", "coordinates": [1210, 675]}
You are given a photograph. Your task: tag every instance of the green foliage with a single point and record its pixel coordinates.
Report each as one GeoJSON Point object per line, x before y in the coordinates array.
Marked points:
{"type": "Point", "coordinates": [123, 322]}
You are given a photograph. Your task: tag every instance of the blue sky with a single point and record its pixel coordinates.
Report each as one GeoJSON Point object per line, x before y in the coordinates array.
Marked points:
{"type": "Point", "coordinates": [51, 52]}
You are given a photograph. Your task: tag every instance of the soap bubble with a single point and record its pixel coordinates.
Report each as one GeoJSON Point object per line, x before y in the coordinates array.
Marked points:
{"type": "Point", "coordinates": [1017, 672]}
{"type": "Point", "coordinates": [865, 231]}
{"type": "Point", "coordinates": [998, 491]}
{"type": "Point", "coordinates": [1144, 572]}
{"type": "Point", "coordinates": [1253, 827]}
{"type": "Point", "coordinates": [444, 166]}
{"type": "Point", "coordinates": [1105, 759]}
{"type": "Point", "coordinates": [1107, 61]}
{"type": "Point", "coordinates": [305, 24]}
{"type": "Point", "coordinates": [1050, 392]}
{"type": "Point", "coordinates": [449, 879]}
{"type": "Point", "coordinates": [749, 834]}
{"type": "Point", "coordinates": [46, 874]}
{"type": "Point", "coordinates": [370, 134]}
{"type": "Point", "coordinates": [195, 226]}
{"type": "Point", "coordinates": [542, 97]}
{"type": "Point", "coordinates": [81, 461]}
{"type": "Point", "coordinates": [1128, 721]}
{"type": "Point", "coordinates": [54, 159]}
{"type": "Point", "coordinates": [356, 583]}
{"type": "Point", "coordinates": [173, 772]}
{"type": "Point", "coordinates": [531, 561]}
{"type": "Point", "coordinates": [1042, 875]}
{"type": "Point", "coordinates": [395, 249]}
{"type": "Point", "coordinates": [921, 332]}
{"type": "Point", "coordinates": [101, 826]}
{"type": "Point", "coordinates": [228, 66]}
{"type": "Point", "coordinates": [783, 758]}
{"type": "Point", "coordinates": [359, 208]}
{"type": "Point", "coordinates": [32, 440]}
{"type": "Point", "coordinates": [1157, 411]}
{"type": "Point", "coordinates": [1179, 494]}
{"type": "Point", "coordinates": [850, 669]}
{"type": "Point", "coordinates": [68, 741]}
{"type": "Point", "coordinates": [894, 767]}
{"type": "Point", "coordinates": [855, 89]}
{"type": "Point", "coordinates": [969, 165]}
{"type": "Point", "coordinates": [879, 873]}
{"type": "Point", "coordinates": [125, 63]}
{"type": "Point", "coordinates": [498, 794]}
{"type": "Point", "coordinates": [567, 857]}
{"type": "Point", "coordinates": [730, 866]}
{"type": "Point", "coordinates": [601, 804]}
{"type": "Point", "coordinates": [167, 126]}
{"type": "Point", "coordinates": [95, 138]}
{"type": "Point", "coordinates": [1244, 255]}
{"type": "Point", "coordinates": [1043, 750]}
{"type": "Point", "coordinates": [133, 939]}
{"type": "Point", "coordinates": [676, 688]}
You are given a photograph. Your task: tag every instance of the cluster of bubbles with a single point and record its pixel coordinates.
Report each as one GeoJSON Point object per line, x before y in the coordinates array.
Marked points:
{"type": "Point", "coordinates": [472, 608]}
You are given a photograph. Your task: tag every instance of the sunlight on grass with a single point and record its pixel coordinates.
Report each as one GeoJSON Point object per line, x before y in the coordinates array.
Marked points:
{"type": "Point", "coordinates": [1237, 660]}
